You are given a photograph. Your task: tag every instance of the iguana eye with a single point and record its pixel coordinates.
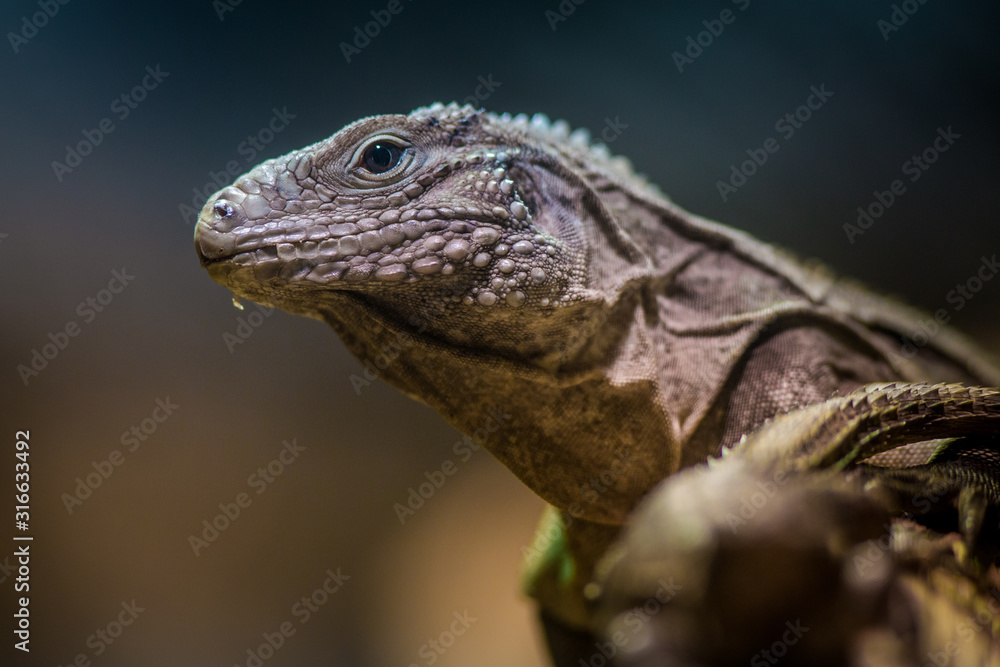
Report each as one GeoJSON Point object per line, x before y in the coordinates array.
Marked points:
{"type": "Point", "coordinates": [379, 160]}
{"type": "Point", "coordinates": [381, 156]}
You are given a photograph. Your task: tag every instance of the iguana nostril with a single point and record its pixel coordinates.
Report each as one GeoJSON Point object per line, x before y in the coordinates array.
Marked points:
{"type": "Point", "coordinates": [212, 244]}
{"type": "Point", "coordinates": [212, 236]}
{"type": "Point", "coordinates": [223, 209]}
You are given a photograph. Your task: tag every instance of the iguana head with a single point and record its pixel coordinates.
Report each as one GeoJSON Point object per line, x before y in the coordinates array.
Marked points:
{"type": "Point", "coordinates": [479, 213]}
{"type": "Point", "coordinates": [476, 262]}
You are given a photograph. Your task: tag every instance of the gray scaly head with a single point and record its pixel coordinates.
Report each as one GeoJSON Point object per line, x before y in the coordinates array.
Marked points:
{"type": "Point", "coordinates": [396, 211]}
{"type": "Point", "coordinates": [473, 251]}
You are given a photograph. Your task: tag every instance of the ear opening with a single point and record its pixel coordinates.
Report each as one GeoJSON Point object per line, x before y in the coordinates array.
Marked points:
{"type": "Point", "coordinates": [564, 205]}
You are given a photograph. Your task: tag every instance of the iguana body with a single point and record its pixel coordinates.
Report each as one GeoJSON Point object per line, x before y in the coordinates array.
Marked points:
{"type": "Point", "coordinates": [498, 261]}
{"type": "Point", "coordinates": [790, 535]}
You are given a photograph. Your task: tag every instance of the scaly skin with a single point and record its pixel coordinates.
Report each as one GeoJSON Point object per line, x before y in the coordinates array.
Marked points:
{"type": "Point", "coordinates": [499, 261]}
{"type": "Point", "coordinates": [881, 566]}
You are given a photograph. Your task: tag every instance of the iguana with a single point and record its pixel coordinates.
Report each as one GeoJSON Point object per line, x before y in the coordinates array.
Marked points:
{"type": "Point", "coordinates": [494, 260]}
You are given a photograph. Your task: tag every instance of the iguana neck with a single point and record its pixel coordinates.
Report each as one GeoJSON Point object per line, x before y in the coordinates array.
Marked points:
{"type": "Point", "coordinates": [579, 441]}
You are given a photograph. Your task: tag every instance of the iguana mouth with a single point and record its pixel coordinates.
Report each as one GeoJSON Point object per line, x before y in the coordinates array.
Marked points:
{"type": "Point", "coordinates": [423, 242]}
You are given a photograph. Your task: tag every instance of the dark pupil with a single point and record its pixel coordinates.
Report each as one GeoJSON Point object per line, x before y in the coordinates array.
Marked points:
{"type": "Point", "coordinates": [381, 156]}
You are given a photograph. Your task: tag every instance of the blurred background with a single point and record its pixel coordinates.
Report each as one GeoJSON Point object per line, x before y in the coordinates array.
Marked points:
{"type": "Point", "coordinates": [96, 183]}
